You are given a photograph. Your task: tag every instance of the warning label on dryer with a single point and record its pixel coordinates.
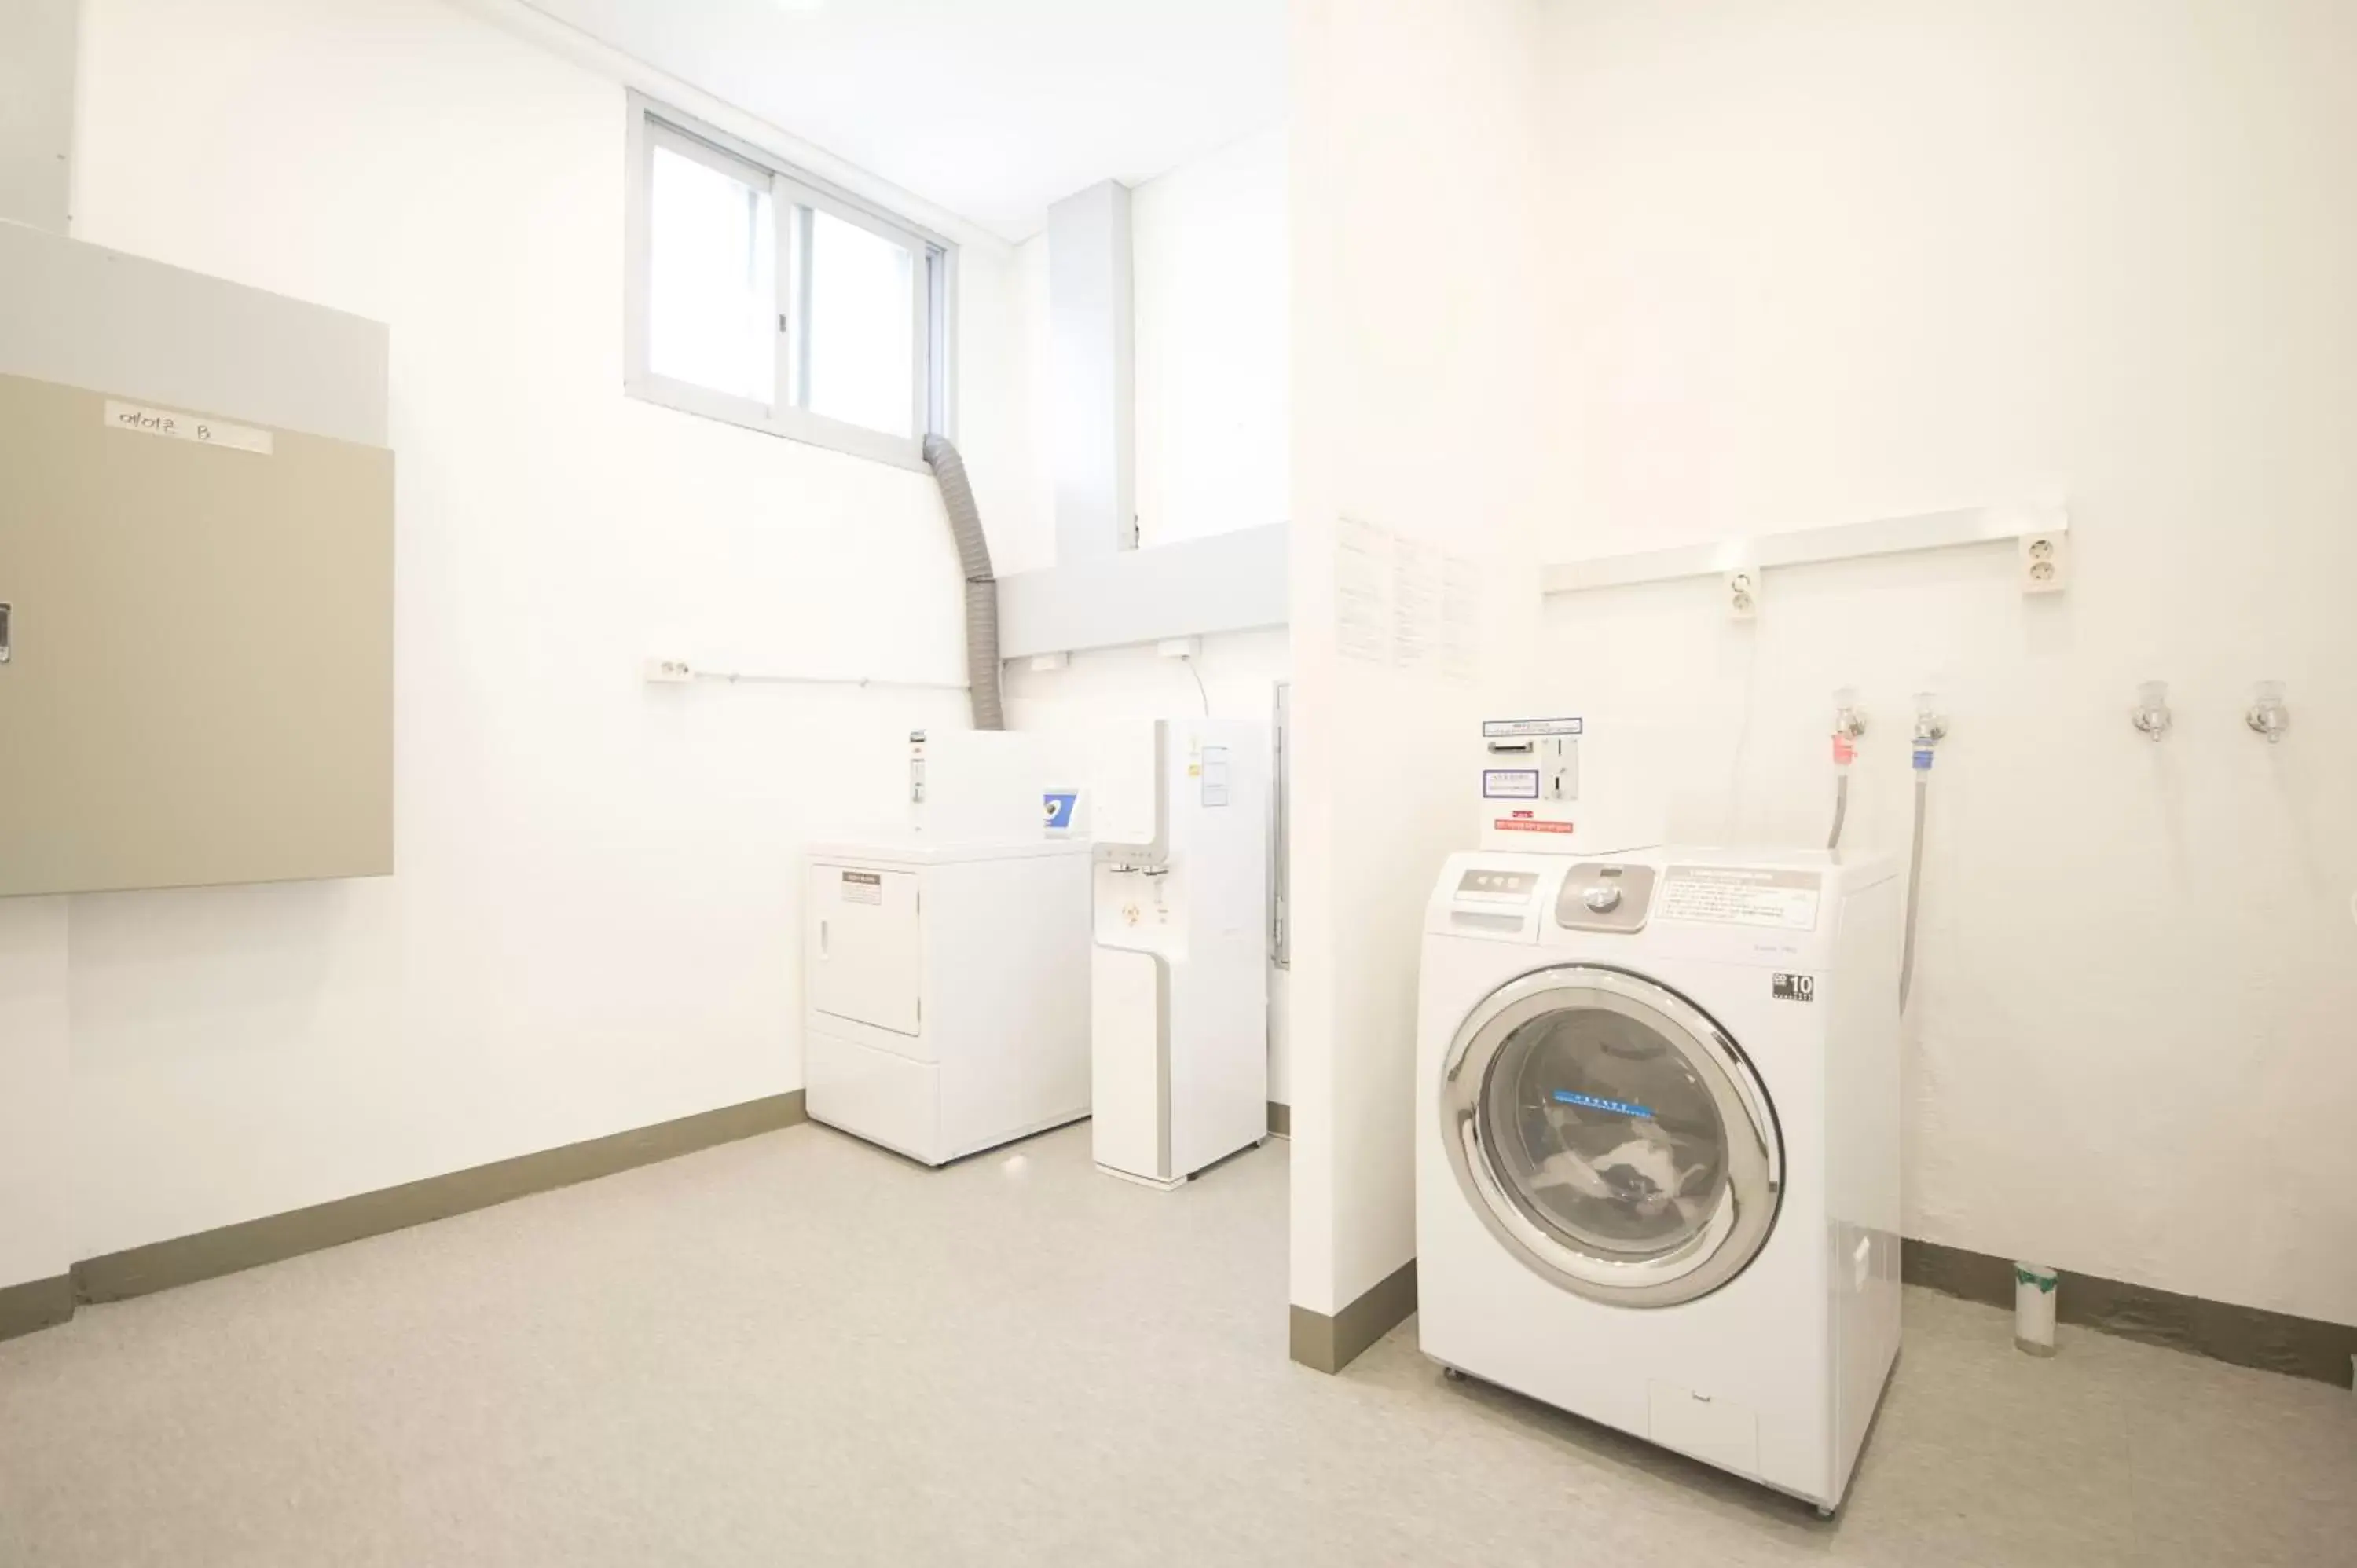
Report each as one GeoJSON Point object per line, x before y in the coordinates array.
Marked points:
{"type": "Point", "coordinates": [1741, 896]}
{"type": "Point", "coordinates": [862, 887]}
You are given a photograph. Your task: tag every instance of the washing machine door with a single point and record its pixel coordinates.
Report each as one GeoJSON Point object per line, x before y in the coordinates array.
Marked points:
{"type": "Point", "coordinates": [1611, 1136]}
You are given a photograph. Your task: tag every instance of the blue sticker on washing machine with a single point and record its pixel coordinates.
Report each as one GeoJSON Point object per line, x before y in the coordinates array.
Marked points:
{"type": "Point", "coordinates": [1509, 784]}
{"type": "Point", "coordinates": [1597, 1102]}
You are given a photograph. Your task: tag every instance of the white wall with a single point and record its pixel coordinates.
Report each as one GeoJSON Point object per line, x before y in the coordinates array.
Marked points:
{"type": "Point", "coordinates": [1213, 360]}
{"type": "Point", "coordinates": [1831, 261]}
{"type": "Point", "coordinates": [595, 920]}
{"type": "Point", "coordinates": [1414, 136]}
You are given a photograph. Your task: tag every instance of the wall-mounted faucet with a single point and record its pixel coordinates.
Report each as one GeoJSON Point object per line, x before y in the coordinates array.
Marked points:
{"type": "Point", "coordinates": [1849, 719]}
{"type": "Point", "coordinates": [1931, 725]}
{"type": "Point", "coordinates": [2268, 714]}
{"type": "Point", "coordinates": [2151, 716]}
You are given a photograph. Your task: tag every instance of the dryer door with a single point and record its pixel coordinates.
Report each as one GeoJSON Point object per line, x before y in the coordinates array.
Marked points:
{"type": "Point", "coordinates": [1611, 1136]}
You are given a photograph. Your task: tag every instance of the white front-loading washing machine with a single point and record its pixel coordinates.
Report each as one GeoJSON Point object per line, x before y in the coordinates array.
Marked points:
{"type": "Point", "coordinates": [1657, 1152]}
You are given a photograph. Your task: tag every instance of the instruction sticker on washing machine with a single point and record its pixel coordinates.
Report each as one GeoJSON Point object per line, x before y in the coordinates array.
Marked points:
{"type": "Point", "coordinates": [1742, 895]}
{"type": "Point", "coordinates": [1510, 783]}
{"type": "Point", "coordinates": [862, 887]}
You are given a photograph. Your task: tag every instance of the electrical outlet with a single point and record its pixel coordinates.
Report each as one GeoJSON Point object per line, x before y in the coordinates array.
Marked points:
{"type": "Point", "coordinates": [2045, 563]}
{"type": "Point", "coordinates": [669, 671]}
{"type": "Point", "coordinates": [1743, 593]}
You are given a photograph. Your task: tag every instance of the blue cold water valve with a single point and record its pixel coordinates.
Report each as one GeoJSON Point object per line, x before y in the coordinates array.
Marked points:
{"type": "Point", "coordinates": [1931, 728]}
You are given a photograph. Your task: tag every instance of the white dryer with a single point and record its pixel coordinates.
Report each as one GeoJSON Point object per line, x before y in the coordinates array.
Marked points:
{"type": "Point", "coordinates": [1657, 1153]}
{"type": "Point", "coordinates": [946, 992]}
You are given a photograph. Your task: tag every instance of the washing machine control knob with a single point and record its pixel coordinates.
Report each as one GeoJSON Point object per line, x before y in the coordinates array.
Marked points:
{"type": "Point", "coordinates": [1602, 899]}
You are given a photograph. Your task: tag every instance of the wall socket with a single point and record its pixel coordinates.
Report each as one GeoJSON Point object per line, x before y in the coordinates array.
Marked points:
{"type": "Point", "coordinates": [1743, 593]}
{"type": "Point", "coordinates": [669, 671]}
{"type": "Point", "coordinates": [2045, 563]}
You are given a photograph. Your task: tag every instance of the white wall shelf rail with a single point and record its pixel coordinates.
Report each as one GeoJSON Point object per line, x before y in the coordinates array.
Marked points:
{"type": "Point", "coordinates": [1813, 546]}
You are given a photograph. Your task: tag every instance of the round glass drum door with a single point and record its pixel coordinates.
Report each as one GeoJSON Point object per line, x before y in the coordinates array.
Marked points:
{"type": "Point", "coordinates": [1611, 1136]}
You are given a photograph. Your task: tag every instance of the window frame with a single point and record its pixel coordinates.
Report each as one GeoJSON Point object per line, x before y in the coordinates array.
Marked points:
{"type": "Point", "coordinates": [933, 294]}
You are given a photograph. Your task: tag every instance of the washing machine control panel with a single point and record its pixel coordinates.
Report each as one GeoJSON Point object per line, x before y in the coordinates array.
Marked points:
{"type": "Point", "coordinates": [1600, 896]}
{"type": "Point", "coordinates": [1497, 886]}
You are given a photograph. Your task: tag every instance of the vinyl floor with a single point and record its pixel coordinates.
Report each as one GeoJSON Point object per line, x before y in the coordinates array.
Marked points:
{"type": "Point", "coordinates": [800, 1350]}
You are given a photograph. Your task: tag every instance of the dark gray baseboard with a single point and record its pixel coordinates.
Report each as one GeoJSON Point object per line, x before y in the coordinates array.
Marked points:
{"type": "Point", "coordinates": [208, 1254]}
{"type": "Point", "coordinates": [2246, 1336]}
{"type": "Point", "coordinates": [1280, 1119]}
{"type": "Point", "coordinates": [1329, 1344]}
{"type": "Point", "coordinates": [37, 1304]}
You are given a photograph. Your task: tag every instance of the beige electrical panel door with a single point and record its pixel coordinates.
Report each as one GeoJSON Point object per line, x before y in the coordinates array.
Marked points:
{"type": "Point", "coordinates": [198, 683]}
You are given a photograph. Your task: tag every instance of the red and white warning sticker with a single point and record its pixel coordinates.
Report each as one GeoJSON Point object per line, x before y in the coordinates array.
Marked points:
{"type": "Point", "coordinates": [1530, 825]}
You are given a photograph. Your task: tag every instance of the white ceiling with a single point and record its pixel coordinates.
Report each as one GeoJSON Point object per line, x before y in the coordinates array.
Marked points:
{"type": "Point", "coordinates": [989, 108]}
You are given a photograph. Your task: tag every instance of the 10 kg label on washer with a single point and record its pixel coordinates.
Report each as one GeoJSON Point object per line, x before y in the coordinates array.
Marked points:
{"type": "Point", "coordinates": [1742, 895]}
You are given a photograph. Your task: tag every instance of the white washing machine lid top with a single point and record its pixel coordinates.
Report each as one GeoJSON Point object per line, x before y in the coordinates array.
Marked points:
{"type": "Point", "coordinates": [1611, 1136]}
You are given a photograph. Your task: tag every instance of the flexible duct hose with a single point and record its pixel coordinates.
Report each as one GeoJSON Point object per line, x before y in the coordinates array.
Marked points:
{"type": "Point", "coordinates": [1841, 807]}
{"type": "Point", "coordinates": [981, 588]}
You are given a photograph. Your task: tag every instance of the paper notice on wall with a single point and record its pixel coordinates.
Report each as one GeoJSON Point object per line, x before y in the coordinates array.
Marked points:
{"type": "Point", "coordinates": [1362, 582]}
{"type": "Point", "coordinates": [1215, 776]}
{"type": "Point", "coordinates": [1741, 896]}
{"type": "Point", "coordinates": [1402, 602]}
{"type": "Point", "coordinates": [1460, 619]}
{"type": "Point", "coordinates": [1415, 603]}
{"type": "Point", "coordinates": [178, 426]}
